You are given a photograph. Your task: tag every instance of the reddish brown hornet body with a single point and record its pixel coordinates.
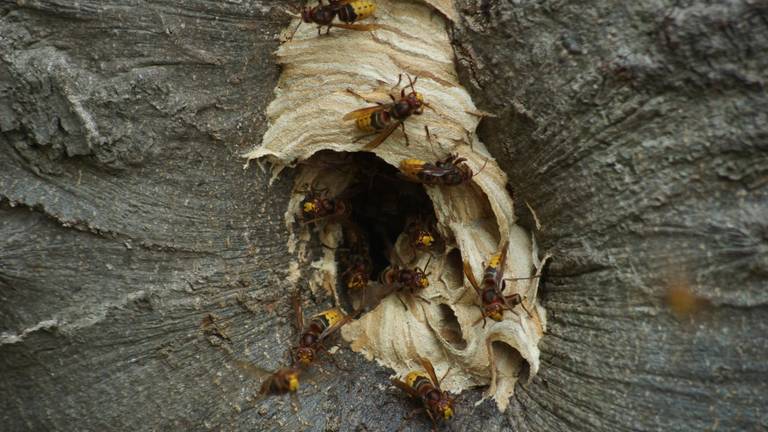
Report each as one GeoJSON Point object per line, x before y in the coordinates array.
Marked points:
{"type": "Point", "coordinates": [279, 382]}
{"type": "Point", "coordinates": [319, 328]}
{"type": "Point", "coordinates": [400, 280]}
{"type": "Point", "coordinates": [355, 258]}
{"type": "Point", "coordinates": [405, 279]}
{"type": "Point", "coordinates": [348, 12]}
{"type": "Point", "coordinates": [491, 293]}
{"type": "Point", "coordinates": [425, 387]}
{"type": "Point", "coordinates": [282, 381]}
{"type": "Point", "coordinates": [420, 236]}
{"type": "Point", "coordinates": [451, 171]}
{"type": "Point", "coordinates": [317, 206]}
{"type": "Point", "coordinates": [383, 119]}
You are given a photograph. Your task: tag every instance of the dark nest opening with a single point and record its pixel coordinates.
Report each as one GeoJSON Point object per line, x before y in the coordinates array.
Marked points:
{"type": "Point", "coordinates": [381, 207]}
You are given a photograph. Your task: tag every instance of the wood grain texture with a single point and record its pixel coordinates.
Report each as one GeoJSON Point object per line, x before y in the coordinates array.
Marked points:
{"type": "Point", "coordinates": [636, 132]}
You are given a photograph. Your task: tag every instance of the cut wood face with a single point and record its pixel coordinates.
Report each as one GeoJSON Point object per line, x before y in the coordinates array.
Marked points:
{"type": "Point", "coordinates": [474, 218]}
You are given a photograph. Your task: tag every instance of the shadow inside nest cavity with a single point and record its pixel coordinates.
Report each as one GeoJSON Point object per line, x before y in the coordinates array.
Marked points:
{"type": "Point", "coordinates": [509, 361]}
{"type": "Point", "coordinates": [450, 329]}
{"type": "Point", "coordinates": [380, 208]}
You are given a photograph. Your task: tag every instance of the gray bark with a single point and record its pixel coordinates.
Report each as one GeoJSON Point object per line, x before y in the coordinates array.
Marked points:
{"type": "Point", "coordinates": [637, 133]}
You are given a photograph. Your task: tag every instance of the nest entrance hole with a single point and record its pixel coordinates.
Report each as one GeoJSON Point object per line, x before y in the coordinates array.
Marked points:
{"type": "Point", "coordinates": [384, 206]}
{"type": "Point", "coordinates": [381, 207]}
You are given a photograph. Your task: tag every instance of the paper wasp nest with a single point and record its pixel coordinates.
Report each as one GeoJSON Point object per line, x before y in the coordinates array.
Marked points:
{"type": "Point", "coordinates": [306, 118]}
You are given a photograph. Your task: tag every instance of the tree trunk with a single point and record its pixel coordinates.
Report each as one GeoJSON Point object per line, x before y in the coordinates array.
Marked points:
{"type": "Point", "coordinates": [139, 259]}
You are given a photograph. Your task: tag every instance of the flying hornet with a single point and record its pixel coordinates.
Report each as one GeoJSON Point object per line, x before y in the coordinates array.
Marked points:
{"type": "Point", "coordinates": [381, 120]}
{"type": "Point", "coordinates": [402, 279]}
{"type": "Point", "coordinates": [279, 382]}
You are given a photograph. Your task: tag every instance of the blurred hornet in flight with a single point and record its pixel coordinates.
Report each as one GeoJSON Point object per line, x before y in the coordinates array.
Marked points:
{"type": "Point", "coordinates": [279, 382]}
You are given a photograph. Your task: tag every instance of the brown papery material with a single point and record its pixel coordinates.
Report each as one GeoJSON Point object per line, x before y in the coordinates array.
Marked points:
{"type": "Point", "coordinates": [305, 118]}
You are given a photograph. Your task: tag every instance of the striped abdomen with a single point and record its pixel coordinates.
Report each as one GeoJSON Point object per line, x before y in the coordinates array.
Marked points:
{"type": "Point", "coordinates": [373, 122]}
{"type": "Point", "coordinates": [412, 167]}
{"type": "Point", "coordinates": [420, 382]}
{"type": "Point", "coordinates": [317, 326]}
{"type": "Point", "coordinates": [281, 381]}
{"type": "Point", "coordinates": [356, 10]}
{"type": "Point", "coordinates": [431, 174]}
{"type": "Point", "coordinates": [492, 271]}
{"type": "Point", "coordinates": [437, 402]}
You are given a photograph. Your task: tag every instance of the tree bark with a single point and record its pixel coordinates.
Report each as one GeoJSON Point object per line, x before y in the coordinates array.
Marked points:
{"type": "Point", "coordinates": [139, 259]}
{"type": "Point", "coordinates": [638, 135]}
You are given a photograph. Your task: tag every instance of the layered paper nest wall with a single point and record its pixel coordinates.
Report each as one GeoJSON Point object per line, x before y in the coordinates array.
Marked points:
{"type": "Point", "coordinates": [305, 118]}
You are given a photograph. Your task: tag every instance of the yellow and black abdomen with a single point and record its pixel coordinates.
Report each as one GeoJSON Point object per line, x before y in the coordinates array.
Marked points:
{"type": "Point", "coordinates": [419, 381]}
{"type": "Point", "coordinates": [493, 269]}
{"type": "Point", "coordinates": [328, 318]}
{"type": "Point", "coordinates": [412, 168]}
{"type": "Point", "coordinates": [495, 261]}
{"type": "Point", "coordinates": [356, 10]}
{"type": "Point", "coordinates": [374, 121]}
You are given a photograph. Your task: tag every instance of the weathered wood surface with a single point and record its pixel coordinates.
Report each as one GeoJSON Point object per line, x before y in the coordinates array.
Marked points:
{"type": "Point", "coordinates": [636, 132]}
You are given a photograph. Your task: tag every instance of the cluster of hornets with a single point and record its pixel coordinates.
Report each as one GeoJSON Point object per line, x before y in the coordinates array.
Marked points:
{"type": "Point", "coordinates": [389, 210]}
